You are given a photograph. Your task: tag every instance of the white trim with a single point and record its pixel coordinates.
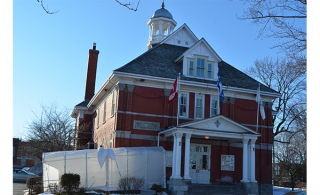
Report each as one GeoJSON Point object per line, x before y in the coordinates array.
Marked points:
{"type": "Point", "coordinates": [223, 117]}
{"type": "Point", "coordinates": [215, 134]}
{"type": "Point", "coordinates": [192, 35]}
{"type": "Point", "coordinates": [226, 89]}
{"type": "Point", "coordinates": [111, 76]}
{"type": "Point", "coordinates": [195, 84]}
{"type": "Point", "coordinates": [206, 44]}
{"type": "Point", "coordinates": [263, 126]}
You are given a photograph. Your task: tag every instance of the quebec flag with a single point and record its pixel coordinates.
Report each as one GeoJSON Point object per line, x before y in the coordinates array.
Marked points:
{"type": "Point", "coordinates": [219, 85]}
{"type": "Point", "coordinates": [259, 101]}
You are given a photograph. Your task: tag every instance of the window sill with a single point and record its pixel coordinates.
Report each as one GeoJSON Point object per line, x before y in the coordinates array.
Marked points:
{"type": "Point", "coordinates": [205, 78]}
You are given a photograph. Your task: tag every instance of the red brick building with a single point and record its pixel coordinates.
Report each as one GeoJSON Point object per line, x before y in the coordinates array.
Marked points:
{"type": "Point", "coordinates": [131, 109]}
{"type": "Point", "coordinates": [20, 154]}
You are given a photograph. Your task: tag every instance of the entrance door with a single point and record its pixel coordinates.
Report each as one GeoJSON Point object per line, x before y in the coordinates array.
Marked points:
{"type": "Point", "coordinates": [200, 163]}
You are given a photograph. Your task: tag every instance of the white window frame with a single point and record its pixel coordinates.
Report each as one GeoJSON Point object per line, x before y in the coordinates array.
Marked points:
{"type": "Point", "coordinates": [187, 105]}
{"type": "Point", "coordinates": [105, 111]}
{"type": "Point", "coordinates": [195, 106]}
{"type": "Point", "coordinates": [195, 63]}
{"type": "Point", "coordinates": [113, 103]}
{"type": "Point", "coordinates": [216, 97]}
{"type": "Point", "coordinates": [111, 143]}
{"type": "Point", "coordinates": [212, 69]}
{"type": "Point", "coordinates": [98, 117]}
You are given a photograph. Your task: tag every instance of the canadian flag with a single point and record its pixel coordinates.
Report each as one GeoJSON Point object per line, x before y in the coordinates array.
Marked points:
{"type": "Point", "coordinates": [173, 93]}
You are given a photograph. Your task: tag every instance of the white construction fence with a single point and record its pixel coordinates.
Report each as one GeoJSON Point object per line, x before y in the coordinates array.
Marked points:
{"type": "Point", "coordinates": [102, 168]}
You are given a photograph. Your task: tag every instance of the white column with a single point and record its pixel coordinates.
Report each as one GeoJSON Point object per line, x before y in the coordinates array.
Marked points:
{"type": "Point", "coordinates": [160, 28]}
{"type": "Point", "coordinates": [178, 156]}
{"type": "Point", "coordinates": [187, 156]}
{"type": "Point", "coordinates": [245, 160]}
{"type": "Point", "coordinates": [168, 30]}
{"type": "Point", "coordinates": [151, 31]}
{"type": "Point", "coordinates": [154, 30]}
{"type": "Point", "coordinates": [174, 156]}
{"type": "Point", "coordinates": [253, 161]}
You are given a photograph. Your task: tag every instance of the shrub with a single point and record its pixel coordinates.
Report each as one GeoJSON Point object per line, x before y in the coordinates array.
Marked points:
{"type": "Point", "coordinates": [157, 188]}
{"type": "Point", "coordinates": [37, 188]}
{"type": "Point", "coordinates": [33, 180]}
{"type": "Point", "coordinates": [131, 184]}
{"type": "Point", "coordinates": [70, 182]}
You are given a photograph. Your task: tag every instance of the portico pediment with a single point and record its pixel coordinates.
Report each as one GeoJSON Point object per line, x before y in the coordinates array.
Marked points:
{"type": "Point", "coordinates": [215, 127]}
{"type": "Point", "coordinates": [219, 123]}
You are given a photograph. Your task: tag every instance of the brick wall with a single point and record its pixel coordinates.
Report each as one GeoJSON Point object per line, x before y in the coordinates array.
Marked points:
{"type": "Point", "coordinates": [150, 104]}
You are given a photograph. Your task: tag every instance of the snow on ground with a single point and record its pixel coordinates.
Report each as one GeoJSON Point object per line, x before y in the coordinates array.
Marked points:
{"type": "Point", "coordinates": [282, 190]}
{"type": "Point", "coordinates": [276, 191]}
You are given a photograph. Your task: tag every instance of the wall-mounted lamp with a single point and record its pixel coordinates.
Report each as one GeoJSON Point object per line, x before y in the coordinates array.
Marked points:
{"type": "Point", "coordinates": [207, 137]}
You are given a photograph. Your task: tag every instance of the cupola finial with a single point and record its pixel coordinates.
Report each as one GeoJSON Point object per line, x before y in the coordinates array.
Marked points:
{"type": "Point", "coordinates": [162, 5]}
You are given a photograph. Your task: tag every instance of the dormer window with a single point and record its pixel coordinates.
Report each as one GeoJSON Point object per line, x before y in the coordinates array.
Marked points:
{"type": "Point", "coordinates": [209, 70]}
{"type": "Point", "coordinates": [191, 68]}
{"type": "Point", "coordinates": [200, 67]}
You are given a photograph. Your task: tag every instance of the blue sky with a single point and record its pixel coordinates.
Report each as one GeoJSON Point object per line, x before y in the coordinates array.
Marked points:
{"type": "Point", "coordinates": [50, 52]}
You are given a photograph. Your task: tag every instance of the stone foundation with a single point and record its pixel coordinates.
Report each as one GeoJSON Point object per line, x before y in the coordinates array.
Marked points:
{"type": "Point", "coordinates": [266, 189]}
{"type": "Point", "coordinates": [178, 186]}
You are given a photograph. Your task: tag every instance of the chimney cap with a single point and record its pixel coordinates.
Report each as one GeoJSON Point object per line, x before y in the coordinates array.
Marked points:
{"type": "Point", "coordinates": [94, 46]}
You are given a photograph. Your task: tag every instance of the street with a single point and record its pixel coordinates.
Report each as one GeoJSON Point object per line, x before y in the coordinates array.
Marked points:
{"type": "Point", "coordinates": [19, 187]}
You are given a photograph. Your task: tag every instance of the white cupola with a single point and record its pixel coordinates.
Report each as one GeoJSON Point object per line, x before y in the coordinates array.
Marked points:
{"type": "Point", "coordinates": [161, 25]}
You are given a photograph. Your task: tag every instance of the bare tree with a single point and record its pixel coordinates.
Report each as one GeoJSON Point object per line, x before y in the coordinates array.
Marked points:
{"type": "Point", "coordinates": [283, 76]}
{"type": "Point", "coordinates": [291, 156]}
{"type": "Point", "coordinates": [52, 130]}
{"type": "Point", "coordinates": [128, 5]}
{"type": "Point", "coordinates": [281, 19]}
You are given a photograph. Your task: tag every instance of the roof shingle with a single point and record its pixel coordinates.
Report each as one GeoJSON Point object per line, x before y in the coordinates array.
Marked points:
{"type": "Point", "coordinates": [159, 62]}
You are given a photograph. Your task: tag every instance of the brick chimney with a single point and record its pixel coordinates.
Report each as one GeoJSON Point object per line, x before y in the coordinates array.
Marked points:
{"type": "Point", "coordinates": [91, 72]}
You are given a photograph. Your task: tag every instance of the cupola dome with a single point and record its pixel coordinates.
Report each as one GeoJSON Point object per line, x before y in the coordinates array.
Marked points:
{"type": "Point", "coordinates": [162, 13]}
{"type": "Point", "coordinates": [161, 25]}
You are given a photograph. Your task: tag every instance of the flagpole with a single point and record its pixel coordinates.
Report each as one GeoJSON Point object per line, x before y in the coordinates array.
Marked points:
{"type": "Point", "coordinates": [258, 111]}
{"type": "Point", "coordinates": [178, 91]}
{"type": "Point", "coordinates": [218, 97]}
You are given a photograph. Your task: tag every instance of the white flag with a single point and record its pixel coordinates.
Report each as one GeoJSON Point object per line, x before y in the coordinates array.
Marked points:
{"type": "Point", "coordinates": [259, 101]}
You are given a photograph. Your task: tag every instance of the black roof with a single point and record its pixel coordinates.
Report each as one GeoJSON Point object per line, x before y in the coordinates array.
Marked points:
{"type": "Point", "coordinates": [84, 103]}
{"type": "Point", "coordinates": [159, 62]}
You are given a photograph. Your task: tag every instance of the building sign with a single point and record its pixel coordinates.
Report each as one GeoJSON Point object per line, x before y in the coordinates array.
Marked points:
{"type": "Point", "coordinates": [227, 162]}
{"type": "Point", "coordinates": [145, 125]}
{"type": "Point", "coordinates": [169, 155]}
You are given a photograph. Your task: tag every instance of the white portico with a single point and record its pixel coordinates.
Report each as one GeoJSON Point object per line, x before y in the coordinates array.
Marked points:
{"type": "Point", "coordinates": [197, 160]}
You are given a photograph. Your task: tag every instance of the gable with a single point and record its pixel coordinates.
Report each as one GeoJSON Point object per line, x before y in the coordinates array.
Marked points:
{"type": "Point", "coordinates": [182, 37]}
{"type": "Point", "coordinates": [204, 51]}
{"type": "Point", "coordinates": [220, 123]}
{"type": "Point", "coordinates": [202, 48]}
